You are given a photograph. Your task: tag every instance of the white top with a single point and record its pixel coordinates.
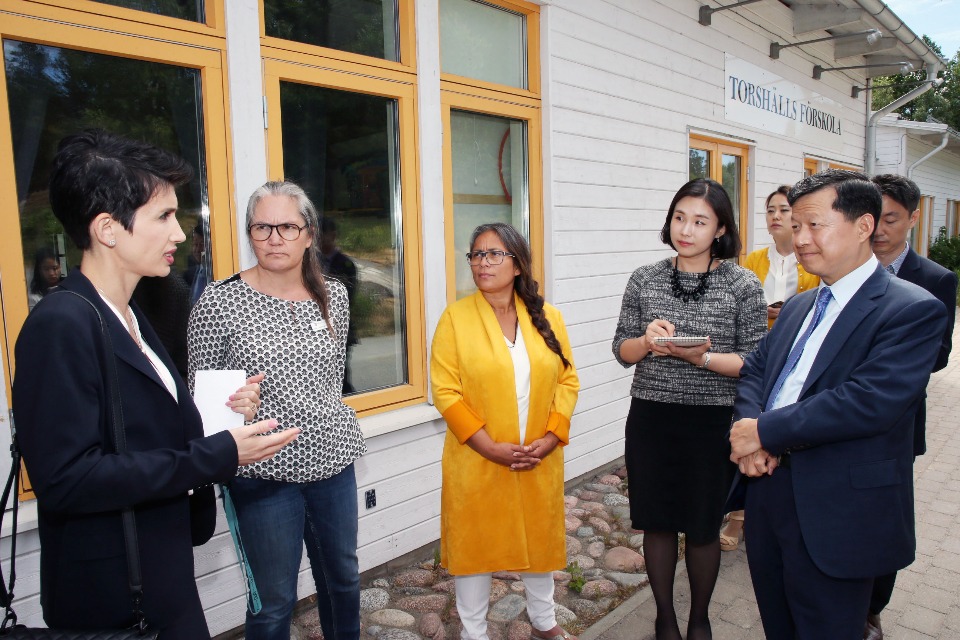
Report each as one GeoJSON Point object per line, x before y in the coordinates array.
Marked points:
{"type": "Point", "coordinates": [843, 290]}
{"type": "Point", "coordinates": [521, 376]}
{"type": "Point", "coordinates": [781, 281]}
{"type": "Point", "coordinates": [165, 376]}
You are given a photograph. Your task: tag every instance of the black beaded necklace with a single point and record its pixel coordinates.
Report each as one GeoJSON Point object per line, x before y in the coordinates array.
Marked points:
{"type": "Point", "coordinates": [682, 293]}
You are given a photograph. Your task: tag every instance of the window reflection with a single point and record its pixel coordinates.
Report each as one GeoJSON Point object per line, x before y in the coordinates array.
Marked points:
{"type": "Point", "coordinates": [55, 91]}
{"type": "Point", "coordinates": [367, 27]}
{"type": "Point", "coordinates": [489, 181]}
{"type": "Point", "coordinates": [484, 42]}
{"type": "Point", "coordinates": [184, 9]}
{"type": "Point", "coordinates": [699, 164]}
{"type": "Point", "coordinates": [341, 148]}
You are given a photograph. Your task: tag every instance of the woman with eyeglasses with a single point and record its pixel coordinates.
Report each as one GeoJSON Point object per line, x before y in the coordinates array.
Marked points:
{"type": "Point", "coordinates": [282, 317]}
{"type": "Point", "coordinates": [503, 377]}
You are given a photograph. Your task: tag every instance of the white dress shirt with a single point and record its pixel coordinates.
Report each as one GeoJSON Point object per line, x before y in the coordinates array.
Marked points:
{"type": "Point", "coordinates": [782, 277]}
{"type": "Point", "coordinates": [843, 291]}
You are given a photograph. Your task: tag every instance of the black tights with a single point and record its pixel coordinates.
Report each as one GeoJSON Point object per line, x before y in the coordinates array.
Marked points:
{"type": "Point", "coordinates": [703, 565]}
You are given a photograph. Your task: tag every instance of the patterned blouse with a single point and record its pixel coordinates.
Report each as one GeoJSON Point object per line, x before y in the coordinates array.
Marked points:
{"type": "Point", "coordinates": [234, 326]}
{"type": "Point", "coordinates": [732, 312]}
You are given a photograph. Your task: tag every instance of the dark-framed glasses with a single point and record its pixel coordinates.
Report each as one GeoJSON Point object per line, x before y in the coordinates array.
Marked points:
{"type": "Point", "coordinates": [493, 257]}
{"type": "Point", "coordinates": [262, 231]}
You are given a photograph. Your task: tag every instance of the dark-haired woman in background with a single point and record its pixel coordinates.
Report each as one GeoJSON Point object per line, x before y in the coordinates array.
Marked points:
{"type": "Point", "coordinates": [46, 275]}
{"type": "Point", "coordinates": [503, 378]}
{"type": "Point", "coordinates": [284, 318]}
{"type": "Point", "coordinates": [676, 446]}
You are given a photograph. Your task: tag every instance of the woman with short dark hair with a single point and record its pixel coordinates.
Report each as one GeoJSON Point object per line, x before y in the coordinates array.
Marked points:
{"type": "Point", "coordinates": [115, 198]}
{"type": "Point", "coordinates": [682, 395]}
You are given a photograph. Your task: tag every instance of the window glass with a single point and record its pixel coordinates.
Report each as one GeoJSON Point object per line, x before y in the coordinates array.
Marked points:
{"type": "Point", "coordinates": [483, 42]}
{"type": "Point", "coordinates": [184, 9]}
{"type": "Point", "coordinates": [341, 148]}
{"type": "Point", "coordinates": [699, 164]}
{"type": "Point", "coordinates": [490, 182]}
{"type": "Point", "coordinates": [367, 27]}
{"type": "Point", "coordinates": [56, 91]}
{"type": "Point", "coordinates": [732, 172]}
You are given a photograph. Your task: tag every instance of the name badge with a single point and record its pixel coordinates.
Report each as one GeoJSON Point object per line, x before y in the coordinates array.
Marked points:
{"type": "Point", "coordinates": [316, 325]}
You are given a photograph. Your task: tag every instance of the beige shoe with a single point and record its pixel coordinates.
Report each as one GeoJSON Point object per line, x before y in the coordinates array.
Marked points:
{"type": "Point", "coordinates": [728, 542]}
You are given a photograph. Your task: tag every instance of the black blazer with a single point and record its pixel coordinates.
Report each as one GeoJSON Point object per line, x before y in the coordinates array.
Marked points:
{"type": "Point", "coordinates": [61, 408]}
{"type": "Point", "coordinates": [850, 433]}
{"type": "Point", "coordinates": [942, 283]}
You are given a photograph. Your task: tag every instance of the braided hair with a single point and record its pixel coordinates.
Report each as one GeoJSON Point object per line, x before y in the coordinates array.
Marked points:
{"type": "Point", "coordinates": [524, 284]}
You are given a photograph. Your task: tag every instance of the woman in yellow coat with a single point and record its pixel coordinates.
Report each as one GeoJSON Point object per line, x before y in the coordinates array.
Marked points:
{"type": "Point", "coordinates": [503, 377]}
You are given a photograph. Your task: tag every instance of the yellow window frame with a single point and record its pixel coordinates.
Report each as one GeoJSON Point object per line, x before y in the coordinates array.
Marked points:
{"type": "Point", "coordinates": [717, 148]}
{"type": "Point", "coordinates": [532, 14]}
{"type": "Point", "coordinates": [277, 71]}
{"type": "Point", "coordinates": [488, 104]}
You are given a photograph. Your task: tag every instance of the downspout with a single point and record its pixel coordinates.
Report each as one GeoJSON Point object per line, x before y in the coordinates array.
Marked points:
{"type": "Point", "coordinates": [943, 145]}
{"type": "Point", "coordinates": [870, 144]}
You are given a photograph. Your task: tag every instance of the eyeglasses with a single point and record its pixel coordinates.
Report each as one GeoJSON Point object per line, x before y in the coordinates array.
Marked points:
{"type": "Point", "coordinates": [262, 231]}
{"type": "Point", "coordinates": [494, 257]}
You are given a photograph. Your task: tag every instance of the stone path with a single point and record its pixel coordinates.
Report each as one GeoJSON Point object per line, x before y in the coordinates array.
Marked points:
{"type": "Point", "coordinates": [926, 601]}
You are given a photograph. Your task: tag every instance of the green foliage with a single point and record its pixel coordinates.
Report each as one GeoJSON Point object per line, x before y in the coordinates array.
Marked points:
{"type": "Point", "coordinates": [943, 102]}
{"type": "Point", "coordinates": [436, 558]}
{"type": "Point", "coordinates": [946, 252]}
{"type": "Point", "coordinates": [577, 579]}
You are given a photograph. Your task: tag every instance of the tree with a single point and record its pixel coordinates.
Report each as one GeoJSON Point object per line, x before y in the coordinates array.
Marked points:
{"type": "Point", "coordinates": [943, 102]}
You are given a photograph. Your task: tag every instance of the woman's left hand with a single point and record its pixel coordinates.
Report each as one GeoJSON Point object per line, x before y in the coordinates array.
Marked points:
{"type": "Point", "coordinates": [246, 399]}
{"type": "Point", "coordinates": [538, 449]}
{"type": "Point", "coordinates": [693, 355]}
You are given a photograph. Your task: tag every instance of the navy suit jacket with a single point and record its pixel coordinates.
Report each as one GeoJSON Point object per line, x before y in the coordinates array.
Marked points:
{"type": "Point", "coordinates": [942, 283]}
{"type": "Point", "coordinates": [850, 433]}
{"type": "Point", "coordinates": [61, 408]}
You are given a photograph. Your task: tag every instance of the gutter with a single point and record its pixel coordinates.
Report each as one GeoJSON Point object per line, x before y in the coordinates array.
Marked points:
{"type": "Point", "coordinates": [943, 145]}
{"type": "Point", "coordinates": [870, 144]}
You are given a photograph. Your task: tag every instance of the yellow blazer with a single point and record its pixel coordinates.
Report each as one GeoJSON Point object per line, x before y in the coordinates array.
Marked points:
{"type": "Point", "coordinates": [759, 262]}
{"type": "Point", "coordinates": [492, 518]}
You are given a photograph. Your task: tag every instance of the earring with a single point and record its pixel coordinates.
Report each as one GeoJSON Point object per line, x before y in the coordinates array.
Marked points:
{"type": "Point", "coordinates": [112, 243]}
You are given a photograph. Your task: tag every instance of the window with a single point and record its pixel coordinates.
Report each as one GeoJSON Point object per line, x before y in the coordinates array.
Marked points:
{"type": "Point", "coordinates": [810, 167]}
{"type": "Point", "coordinates": [183, 9]}
{"type": "Point", "coordinates": [173, 98]}
{"type": "Point", "coordinates": [491, 123]}
{"type": "Point", "coordinates": [918, 235]}
{"type": "Point", "coordinates": [953, 218]}
{"type": "Point", "coordinates": [727, 164]}
{"type": "Point", "coordinates": [344, 130]}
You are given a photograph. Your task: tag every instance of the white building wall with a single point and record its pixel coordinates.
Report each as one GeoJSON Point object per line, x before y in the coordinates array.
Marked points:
{"type": "Point", "coordinates": [938, 177]}
{"type": "Point", "coordinates": [890, 150]}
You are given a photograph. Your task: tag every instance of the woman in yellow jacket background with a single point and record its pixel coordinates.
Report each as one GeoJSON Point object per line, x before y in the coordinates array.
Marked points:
{"type": "Point", "coordinates": [503, 377]}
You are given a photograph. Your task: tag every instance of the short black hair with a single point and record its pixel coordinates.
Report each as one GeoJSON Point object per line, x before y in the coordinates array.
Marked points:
{"type": "Point", "coordinates": [856, 195]}
{"type": "Point", "coordinates": [96, 172]}
{"type": "Point", "coordinates": [711, 191]}
{"type": "Point", "coordinates": [902, 190]}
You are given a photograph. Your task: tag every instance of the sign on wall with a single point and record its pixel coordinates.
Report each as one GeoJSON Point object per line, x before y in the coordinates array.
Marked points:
{"type": "Point", "coordinates": [760, 99]}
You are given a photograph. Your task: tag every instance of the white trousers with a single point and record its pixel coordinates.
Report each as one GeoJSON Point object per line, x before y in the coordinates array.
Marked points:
{"type": "Point", "coordinates": [473, 600]}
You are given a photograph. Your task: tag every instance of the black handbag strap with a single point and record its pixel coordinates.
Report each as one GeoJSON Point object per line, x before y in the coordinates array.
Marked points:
{"type": "Point", "coordinates": [120, 445]}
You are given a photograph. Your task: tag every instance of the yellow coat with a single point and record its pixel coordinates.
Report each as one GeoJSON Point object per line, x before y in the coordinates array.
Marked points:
{"type": "Point", "coordinates": [492, 518]}
{"type": "Point", "coordinates": [759, 262]}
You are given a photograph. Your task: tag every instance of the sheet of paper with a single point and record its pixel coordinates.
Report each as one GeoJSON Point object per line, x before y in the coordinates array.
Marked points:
{"type": "Point", "coordinates": [211, 390]}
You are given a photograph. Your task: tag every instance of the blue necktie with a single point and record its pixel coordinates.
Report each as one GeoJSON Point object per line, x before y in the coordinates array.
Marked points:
{"type": "Point", "coordinates": [890, 269]}
{"type": "Point", "coordinates": [823, 299]}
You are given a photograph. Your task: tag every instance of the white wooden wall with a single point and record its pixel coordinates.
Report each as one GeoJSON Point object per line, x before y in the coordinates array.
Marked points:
{"type": "Point", "coordinates": [938, 177]}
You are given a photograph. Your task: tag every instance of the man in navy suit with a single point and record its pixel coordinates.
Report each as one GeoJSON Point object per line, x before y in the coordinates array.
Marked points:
{"type": "Point", "coordinates": [823, 420]}
{"type": "Point", "coordinates": [901, 201]}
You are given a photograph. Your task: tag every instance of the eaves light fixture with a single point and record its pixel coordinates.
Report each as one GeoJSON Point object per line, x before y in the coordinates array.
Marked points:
{"type": "Point", "coordinates": [706, 12]}
{"type": "Point", "coordinates": [905, 67]}
{"type": "Point", "coordinates": [872, 36]}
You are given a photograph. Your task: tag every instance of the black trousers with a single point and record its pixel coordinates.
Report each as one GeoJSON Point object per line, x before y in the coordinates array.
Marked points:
{"type": "Point", "coordinates": [882, 592]}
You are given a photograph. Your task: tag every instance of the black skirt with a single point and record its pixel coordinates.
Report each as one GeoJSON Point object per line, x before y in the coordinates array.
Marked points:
{"type": "Point", "coordinates": [678, 467]}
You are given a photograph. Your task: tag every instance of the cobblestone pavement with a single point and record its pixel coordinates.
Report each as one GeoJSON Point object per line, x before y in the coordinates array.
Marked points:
{"type": "Point", "coordinates": [926, 602]}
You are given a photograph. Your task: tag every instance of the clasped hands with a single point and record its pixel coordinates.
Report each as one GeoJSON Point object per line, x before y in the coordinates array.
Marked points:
{"type": "Point", "coordinates": [747, 451]}
{"type": "Point", "coordinates": [517, 457]}
{"type": "Point", "coordinates": [252, 445]}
